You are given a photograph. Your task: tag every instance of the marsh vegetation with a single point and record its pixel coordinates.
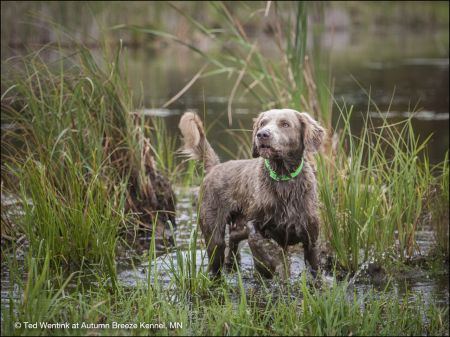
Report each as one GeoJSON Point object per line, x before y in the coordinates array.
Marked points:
{"type": "Point", "coordinates": [99, 212]}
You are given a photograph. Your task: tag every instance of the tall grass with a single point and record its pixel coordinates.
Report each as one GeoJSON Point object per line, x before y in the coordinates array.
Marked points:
{"type": "Point", "coordinates": [439, 208]}
{"type": "Point", "coordinates": [374, 190]}
{"type": "Point", "coordinates": [164, 149]}
{"type": "Point", "coordinates": [76, 218]}
{"type": "Point", "coordinates": [77, 155]}
{"type": "Point", "coordinates": [287, 79]}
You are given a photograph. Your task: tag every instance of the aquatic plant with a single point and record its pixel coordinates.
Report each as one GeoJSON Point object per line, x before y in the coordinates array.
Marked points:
{"type": "Point", "coordinates": [298, 308]}
{"type": "Point", "coordinates": [78, 155]}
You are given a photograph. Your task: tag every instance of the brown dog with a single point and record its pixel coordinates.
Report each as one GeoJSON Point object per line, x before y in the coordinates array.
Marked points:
{"type": "Point", "coordinates": [276, 191]}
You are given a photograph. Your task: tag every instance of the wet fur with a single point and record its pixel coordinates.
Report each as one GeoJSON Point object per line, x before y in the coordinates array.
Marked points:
{"type": "Point", "coordinates": [238, 191]}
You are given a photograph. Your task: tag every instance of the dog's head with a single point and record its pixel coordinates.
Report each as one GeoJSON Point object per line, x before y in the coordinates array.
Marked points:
{"type": "Point", "coordinates": [281, 133]}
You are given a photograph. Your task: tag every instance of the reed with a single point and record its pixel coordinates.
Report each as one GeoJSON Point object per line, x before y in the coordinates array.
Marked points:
{"type": "Point", "coordinates": [438, 207]}
{"type": "Point", "coordinates": [77, 155]}
{"type": "Point", "coordinates": [295, 78]}
{"type": "Point", "coordinates": [374, 190]}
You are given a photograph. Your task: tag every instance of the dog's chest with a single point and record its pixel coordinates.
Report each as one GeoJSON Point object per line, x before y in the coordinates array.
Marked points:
{"type": "Point", "coordinates": [283, 211]}
{"type": "Point", "coordinates": [284, 206]}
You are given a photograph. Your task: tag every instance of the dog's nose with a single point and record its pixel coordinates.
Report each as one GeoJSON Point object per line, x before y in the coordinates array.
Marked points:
{"type": "Point", "coordinates": [263, 134]}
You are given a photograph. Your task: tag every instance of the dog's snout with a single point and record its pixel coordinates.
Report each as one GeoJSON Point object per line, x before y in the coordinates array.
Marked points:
{"type": "Point", "coordinates": [263, 134]}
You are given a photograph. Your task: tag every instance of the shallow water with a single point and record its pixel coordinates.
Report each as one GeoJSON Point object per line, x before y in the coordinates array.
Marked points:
{"type": "Point", "coordinates": [417, 283]}
{"type": "Point", "coordinates": [431, 286]}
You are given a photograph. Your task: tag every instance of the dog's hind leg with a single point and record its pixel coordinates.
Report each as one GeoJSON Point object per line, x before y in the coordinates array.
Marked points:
{"type": "Point", "coordinates": [235, 232]}
{"type": "Point", "coordinates": [215, 248]}
{"type": "Point", "coordinates": [216, 253]}
{"type": "Point", "coordinates": [228, 254]}
{"type": "Point", "coordinates": [214, 234]}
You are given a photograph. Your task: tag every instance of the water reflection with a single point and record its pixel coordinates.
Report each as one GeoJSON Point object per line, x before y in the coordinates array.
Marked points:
{"type": "Point", "coordinates": [397, 75]}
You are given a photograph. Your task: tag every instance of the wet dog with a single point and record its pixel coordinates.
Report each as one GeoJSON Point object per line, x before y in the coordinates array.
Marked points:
{"type": "Point", "coordinates": [270, 199]}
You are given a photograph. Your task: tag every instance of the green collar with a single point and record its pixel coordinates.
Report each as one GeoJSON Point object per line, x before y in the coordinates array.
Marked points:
{"type": "Point", "coordinates": [276, 177]}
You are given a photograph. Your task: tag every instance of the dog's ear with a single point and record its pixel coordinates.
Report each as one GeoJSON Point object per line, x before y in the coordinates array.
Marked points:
{"type": "Point", "coordinates": [313, 134]}
{"type": "Point", "coordinates": [255, 152]}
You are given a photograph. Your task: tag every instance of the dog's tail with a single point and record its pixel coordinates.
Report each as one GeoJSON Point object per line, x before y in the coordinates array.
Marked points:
{"type": "Point", "coordinates": [196, 145]}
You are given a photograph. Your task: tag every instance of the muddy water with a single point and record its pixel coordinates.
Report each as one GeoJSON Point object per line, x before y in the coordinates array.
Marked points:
{"type": "Point", "coordinates": [402, 71]}
{"type": "Point", "coordinates": [431, 286]}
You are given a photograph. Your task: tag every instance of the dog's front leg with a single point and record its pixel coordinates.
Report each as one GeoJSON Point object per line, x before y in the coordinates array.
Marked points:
{"type": "Point", "coordinates": [268, 256]}
{"type": "Point", "coordinates": [310, 245]}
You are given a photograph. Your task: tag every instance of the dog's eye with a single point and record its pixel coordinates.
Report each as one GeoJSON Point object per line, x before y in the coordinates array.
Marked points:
{"type": "Point", "coordinates": [262, 123]}
{"type": "Point", "coordinates": [285, 124]}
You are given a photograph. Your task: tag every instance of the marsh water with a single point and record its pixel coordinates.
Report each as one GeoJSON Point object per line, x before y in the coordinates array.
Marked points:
{"type": "Point", "coordinates": [415, 282]}
{"type": "Point", "coordinates": [404, 71]}
{"type": "Point", "coordinates": [429, 284]}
